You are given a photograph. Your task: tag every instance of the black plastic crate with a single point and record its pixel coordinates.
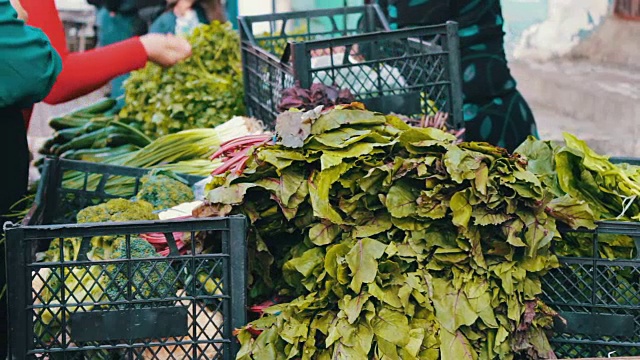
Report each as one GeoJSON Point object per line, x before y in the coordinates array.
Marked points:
{"type": "Point", "coordinates": [599, 298]}
{"type": "Point", "coordinates": [58, 202]}
{"type": "Point", "coordinates": [411, 72]}
{"type": "Point", "coordinates": [136, 306]}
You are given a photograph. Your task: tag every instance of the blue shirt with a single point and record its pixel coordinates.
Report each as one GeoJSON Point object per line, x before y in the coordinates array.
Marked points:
{"type": "Point", "coordinates": [117, 27]}
{"type": "Point", "coordinates": [166, 23]}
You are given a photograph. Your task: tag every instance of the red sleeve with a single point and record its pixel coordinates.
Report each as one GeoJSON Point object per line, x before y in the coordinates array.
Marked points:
{"type": "Point", "coordinates": [26, 114]}
{"type": "Point", "coordinates": [44, 16]}
{"type": "Point", "coordinates": [82, 73]}
{"type": "Point", "coordinates": [88, 71]}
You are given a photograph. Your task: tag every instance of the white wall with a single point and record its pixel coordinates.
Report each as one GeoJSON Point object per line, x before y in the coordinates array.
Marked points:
{"type": "Point", "coordinates": [519, 16]}
{"type": "Point", "coordinates": [566, 24]}
{"type": "Point", "coordinates": [73, 5]}
{"type": "Point", "coordinates": [259, 7]}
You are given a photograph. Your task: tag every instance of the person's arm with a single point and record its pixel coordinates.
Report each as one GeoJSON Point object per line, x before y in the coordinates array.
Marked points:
{"type": "Point", "coordinates": [88, 71]}
{"type": "Point", "coordinates": [28, 63]}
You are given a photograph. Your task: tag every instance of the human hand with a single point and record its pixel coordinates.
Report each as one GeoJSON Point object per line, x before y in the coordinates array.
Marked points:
{"type": "Point", "coordinates": [22, 13]}
{"type": "Point", "coordinates": [165, 50]}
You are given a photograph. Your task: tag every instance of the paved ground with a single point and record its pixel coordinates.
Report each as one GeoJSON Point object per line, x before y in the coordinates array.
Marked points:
{"type": "Point", "coordinates": [600, 104]}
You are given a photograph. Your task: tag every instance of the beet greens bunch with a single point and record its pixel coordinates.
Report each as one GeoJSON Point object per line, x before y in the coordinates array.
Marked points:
{"type": "Point", "coordinates": [391, 242]}
{"type": "Point", "coordinates": [319, 94]}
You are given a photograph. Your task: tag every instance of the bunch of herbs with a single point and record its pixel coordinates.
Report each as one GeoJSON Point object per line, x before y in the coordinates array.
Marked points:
{"type": "Point", "coordinates": [203, 91]}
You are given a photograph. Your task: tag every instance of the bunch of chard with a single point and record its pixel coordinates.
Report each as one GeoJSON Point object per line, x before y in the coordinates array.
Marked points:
{"type": "Point", "coordinates": [319, 94]}
{"type": "Point", "coordinates": [235, 153]}
{"type": "Point", "coordinates": [392, 241]}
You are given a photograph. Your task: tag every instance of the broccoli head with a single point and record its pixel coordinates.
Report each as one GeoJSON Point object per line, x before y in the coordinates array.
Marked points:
{"type": "Point", "coordinates": [70, 250]}
{"type": "Point", "coordinates": [86, 286]}
{"type": "Point", "coordinates": [117, 210]}
{"type": "Point", "coordinates": [164, 190]}
{"type": "Point", "coordinates": [151, 279]}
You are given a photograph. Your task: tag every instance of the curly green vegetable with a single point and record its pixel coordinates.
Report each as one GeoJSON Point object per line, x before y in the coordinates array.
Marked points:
{"type": "Point", "coordinates": [149, 280]}
{"type": "Point", "coordinates": [164, 190]}
{"type": "Point", "coordinates": [201, 92]}
{"type": "Point", "coordinates": [116, 210]}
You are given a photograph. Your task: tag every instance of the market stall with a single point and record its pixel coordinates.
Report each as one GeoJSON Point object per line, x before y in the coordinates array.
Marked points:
{"type": "Point", "coordinates": [308, 194]}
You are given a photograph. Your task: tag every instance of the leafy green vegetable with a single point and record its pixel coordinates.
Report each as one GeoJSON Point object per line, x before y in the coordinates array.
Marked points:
{"type": "Point", "coordinates": [418, 248]}
{"type": "Point", "coordinates": [541, 161]}
{"type": "Point", "coordinates": [609, 190]}
{"type": "Point", "coordinates": [276, 41]}
{"type": "Point", "coordinates": [588, 188]}
{"type": "Point", "coordinates": [203, 91]}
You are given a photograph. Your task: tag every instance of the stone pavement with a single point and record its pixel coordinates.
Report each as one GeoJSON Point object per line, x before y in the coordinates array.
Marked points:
{"type": "Point", "coordinates": [597, 103]}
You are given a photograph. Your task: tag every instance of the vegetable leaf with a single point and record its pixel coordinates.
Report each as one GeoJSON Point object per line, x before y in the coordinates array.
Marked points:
{"type": "Point", "coordinates": [455, 346]}
{"type": "Point", "coordinates": [324, 233]}
{"type": "Point", "coordinates": [452, 306]}
{"type": "Point", "coordinates": [362, 262]}
{"type": "Point", "coordinates": [392, 326]}
{"type": "Point", "coordinates": [338, 118]}
{"type": "Point", "coordinates": [401, 201]}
